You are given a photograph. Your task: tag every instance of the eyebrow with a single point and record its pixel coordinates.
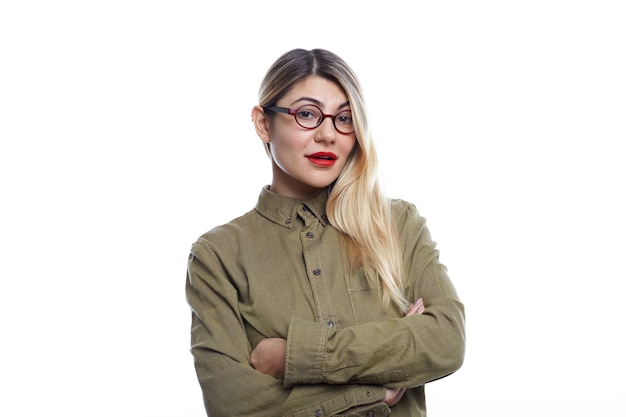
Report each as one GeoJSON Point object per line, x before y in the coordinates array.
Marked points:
{"type": "Point", "coordinates": [317, 102]}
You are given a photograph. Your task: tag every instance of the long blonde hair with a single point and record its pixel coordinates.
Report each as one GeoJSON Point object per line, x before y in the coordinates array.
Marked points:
{"type": "Point", "coordinates": [356, 205]}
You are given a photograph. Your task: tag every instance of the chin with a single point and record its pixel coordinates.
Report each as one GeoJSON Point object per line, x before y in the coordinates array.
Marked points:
{"type": "Point", "coordinates": [321, 184]}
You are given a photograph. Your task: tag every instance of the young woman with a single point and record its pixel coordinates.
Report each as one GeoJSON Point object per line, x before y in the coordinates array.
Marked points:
{"type": "Point", "coordinates": [326, 299]}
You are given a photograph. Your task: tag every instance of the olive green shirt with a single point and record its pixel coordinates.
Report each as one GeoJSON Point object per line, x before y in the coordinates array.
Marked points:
{"type": "Point", "coordinates": [281, 271]}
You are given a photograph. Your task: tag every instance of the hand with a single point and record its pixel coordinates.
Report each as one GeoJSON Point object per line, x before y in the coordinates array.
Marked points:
{"type": "Point", "coordinates": [393, 396]}
{"type": "Point", "coordinates": [416, 308]}
{"type": "Point", "coordinates": [268, 357]}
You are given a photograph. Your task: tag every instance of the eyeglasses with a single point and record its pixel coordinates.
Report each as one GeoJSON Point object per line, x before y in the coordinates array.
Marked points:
{"type": "Point", "coordinates": [311, 116]}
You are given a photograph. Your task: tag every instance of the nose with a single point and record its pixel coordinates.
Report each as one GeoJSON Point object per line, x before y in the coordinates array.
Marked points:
{"type": "Point", "coordinates": [326, 131]}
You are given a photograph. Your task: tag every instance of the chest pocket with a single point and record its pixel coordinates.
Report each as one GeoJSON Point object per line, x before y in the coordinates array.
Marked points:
{"type": "Point", "coordinates": [366, 297]}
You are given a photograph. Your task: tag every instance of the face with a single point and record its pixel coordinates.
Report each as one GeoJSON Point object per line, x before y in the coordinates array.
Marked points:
{"type": "Point", "coordinates": [304, 161]}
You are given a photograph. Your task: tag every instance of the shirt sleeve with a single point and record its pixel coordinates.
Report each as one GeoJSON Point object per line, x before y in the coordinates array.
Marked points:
{"type": "Point", "coordinates": [401, 352]}
{"type": "Point", "coordinates": [221, 351]}
{"type": "Point", "coordinates": [219, 344]}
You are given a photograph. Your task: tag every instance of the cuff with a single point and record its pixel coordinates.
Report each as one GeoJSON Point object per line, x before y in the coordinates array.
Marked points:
{"type": "Point", "coordinates": [306, 344]}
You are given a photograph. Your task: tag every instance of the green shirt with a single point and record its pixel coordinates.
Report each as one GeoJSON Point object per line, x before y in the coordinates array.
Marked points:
{"type": "Point", "coordinates": [280, 271]}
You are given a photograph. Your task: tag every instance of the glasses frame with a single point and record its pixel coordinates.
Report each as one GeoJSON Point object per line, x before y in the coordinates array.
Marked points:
{"type": "Point", "coordinates": [294, 112]}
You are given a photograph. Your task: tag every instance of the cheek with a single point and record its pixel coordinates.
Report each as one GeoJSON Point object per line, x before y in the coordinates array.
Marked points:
{"type": "Point", "coordinates": [285, 147]}
{"type": "Point", "coordinates": [289, 141]}
{"type": "Point", "coordinates": [348, 145]}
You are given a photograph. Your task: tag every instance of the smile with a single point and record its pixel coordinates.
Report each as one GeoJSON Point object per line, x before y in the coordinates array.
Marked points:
{"type": "Point", "coordinates": [325, 159]}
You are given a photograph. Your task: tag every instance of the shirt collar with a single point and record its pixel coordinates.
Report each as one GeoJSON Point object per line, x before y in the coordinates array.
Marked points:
{"type": "Point", "coordinates": [282, 209]}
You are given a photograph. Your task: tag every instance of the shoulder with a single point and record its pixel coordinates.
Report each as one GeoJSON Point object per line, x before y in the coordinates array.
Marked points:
{"type": "Point", "coordinates": [408, 220]}
{"type": "Point", "coordinates": [401, 209]}
{"type": "Point", "coordinates": [225, 237]}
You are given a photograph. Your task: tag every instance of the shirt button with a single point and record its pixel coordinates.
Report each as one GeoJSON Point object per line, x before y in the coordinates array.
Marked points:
{"type": "Point", "coordinates": [317, 271]}
{"type": "Point", "coordinates": [370, 414]}
{"type": "Point", "coordinates": [318, 413]}
{"type": "Point", "coordinates": [309, 235]}
{"type": "Point", "coordinates": [288, 221]}
{"type": "Point", "coordinates": [330, 324]}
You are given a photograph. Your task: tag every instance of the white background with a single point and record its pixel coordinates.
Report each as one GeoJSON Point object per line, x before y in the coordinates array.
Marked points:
{"type": "Point", "coordinates": [125, 133]}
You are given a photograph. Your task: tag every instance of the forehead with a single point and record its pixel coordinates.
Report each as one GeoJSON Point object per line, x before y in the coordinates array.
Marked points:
{"type": "Point", "coordinates": [321, 89]}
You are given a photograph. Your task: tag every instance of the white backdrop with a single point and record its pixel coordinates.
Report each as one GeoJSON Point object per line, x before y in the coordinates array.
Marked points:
{"type": "Point", "coordinates": [125, 133]}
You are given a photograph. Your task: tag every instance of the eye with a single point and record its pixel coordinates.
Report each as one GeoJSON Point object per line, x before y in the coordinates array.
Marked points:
{"type": "Point", "coordinates": [308, 113]}
{"type": "Point", "coordinates": [345, 118]}
{"type": "Point", "coordinates": [304, 114]}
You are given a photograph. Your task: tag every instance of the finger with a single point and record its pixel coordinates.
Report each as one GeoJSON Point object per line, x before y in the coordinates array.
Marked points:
{"type": "Point", "coordinates": [416, 308]}
{"type": "Point", "coordinates": [397, 396]}
{"type": "Point", "coordinates": [412, 310]}
{"type": "Point", "coordinates": [420, 306]}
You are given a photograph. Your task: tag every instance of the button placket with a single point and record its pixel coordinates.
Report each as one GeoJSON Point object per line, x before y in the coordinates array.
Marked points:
{"type": "Point", "coordinates": [310, 223]}
{"type": "Point", "coordinates": [310, 236]}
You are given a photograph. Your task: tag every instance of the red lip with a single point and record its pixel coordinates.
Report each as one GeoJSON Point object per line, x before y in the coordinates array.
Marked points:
{"type": "Point", "coordinates": [324, 159]}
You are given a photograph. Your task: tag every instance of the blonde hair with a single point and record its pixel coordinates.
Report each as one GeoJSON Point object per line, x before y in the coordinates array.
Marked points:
{"type": "Point", "coordinates": [356, 205]}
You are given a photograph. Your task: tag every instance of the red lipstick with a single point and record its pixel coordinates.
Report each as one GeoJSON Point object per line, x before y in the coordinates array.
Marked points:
{"type": "Point", "coordinates": [325, 159]}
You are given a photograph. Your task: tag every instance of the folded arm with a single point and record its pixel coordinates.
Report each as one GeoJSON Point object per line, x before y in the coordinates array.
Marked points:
{"type": "Point", "coordinates": [401, 352]}
{"type": "Point", "coordinates": [221, 349]}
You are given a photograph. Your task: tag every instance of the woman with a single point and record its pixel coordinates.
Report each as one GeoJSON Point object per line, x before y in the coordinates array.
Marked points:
{"type": "Point", "coordinates": [327, 299]}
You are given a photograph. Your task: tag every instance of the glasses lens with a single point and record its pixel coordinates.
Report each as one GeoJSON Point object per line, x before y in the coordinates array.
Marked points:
{"type": "Point", "coordinates": [308, 116]}
{"type": "Point", "coordinates": [344, 122]}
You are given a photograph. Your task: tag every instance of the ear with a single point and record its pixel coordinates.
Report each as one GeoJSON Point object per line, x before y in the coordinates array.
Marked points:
{"type": "Point", "coordinates": [261, 123]}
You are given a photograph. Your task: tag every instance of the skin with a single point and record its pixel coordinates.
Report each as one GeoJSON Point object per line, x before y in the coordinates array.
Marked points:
{"type": "Point", "coordinates": [294, 175]}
